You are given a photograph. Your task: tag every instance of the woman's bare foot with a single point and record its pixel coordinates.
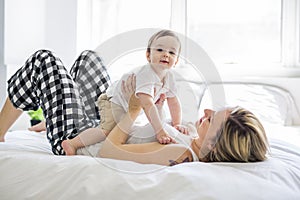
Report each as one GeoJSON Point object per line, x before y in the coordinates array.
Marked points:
{"type": "Point", "coordinates": [68, 148]}
{"type": "Point", "coordinates": [38, 127]}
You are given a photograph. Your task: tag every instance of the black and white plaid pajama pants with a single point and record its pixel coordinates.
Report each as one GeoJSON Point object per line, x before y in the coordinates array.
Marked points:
{"type": "Point", "coordinates": [67, 99]}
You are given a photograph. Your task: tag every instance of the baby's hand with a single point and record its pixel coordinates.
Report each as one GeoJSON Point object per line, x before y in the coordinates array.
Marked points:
{"type": "Point", "coordinates": [183, 129]}
{"type": "Point", "coordinates": [164, 138]}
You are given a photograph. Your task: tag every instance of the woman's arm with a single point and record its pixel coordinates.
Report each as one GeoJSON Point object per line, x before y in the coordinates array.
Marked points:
{"type": "Point", "coordinates": [149, 153]}
{"type": "Point", "coordinates": [8, 115]}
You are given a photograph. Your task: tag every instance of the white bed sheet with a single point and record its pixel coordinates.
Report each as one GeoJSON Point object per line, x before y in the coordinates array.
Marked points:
{"type": "Point", "coordinates": [30, 171]}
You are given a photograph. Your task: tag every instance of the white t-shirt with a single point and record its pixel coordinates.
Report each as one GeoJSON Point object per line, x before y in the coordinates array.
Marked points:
{"type": "Point", "coordinates": [145, 134]}
{"type": "Point", "coordinates": [147, 82]}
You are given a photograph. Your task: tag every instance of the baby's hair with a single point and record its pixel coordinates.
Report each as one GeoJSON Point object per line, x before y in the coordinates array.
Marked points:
{"type": "Point", "coordinates": [160, 34]}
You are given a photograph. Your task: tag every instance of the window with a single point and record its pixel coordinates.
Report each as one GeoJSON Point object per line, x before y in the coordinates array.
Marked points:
{"type": "Point", "coordinates": [234, 31]}
{"type": "Point", "coordinates": [98, 20]}
{"type": "Point", "coordinates": [261, 33]}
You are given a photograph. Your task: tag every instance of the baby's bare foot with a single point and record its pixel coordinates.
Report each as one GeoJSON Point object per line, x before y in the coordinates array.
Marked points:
{"type": "Point", "coordinates": [68, 148]}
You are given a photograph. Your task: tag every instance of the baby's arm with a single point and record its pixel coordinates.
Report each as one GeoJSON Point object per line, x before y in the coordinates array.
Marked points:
{"type": "Point", "coordinates": [175, 112]}
{"type": "Point", "coordinates": [153, 116]}
{"type": "Point", "coordinates": [159, 105]}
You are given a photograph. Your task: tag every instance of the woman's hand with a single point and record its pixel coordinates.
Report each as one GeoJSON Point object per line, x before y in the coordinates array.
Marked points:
{"type": "Point", "coordinates": [134, 105]}
{"type": "Point", "coordinates": [128, 88]}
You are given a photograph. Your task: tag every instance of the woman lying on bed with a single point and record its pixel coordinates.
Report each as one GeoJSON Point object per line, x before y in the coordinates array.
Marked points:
{"type": "Point", "coordinates": [67, 100]}
{"type": "Point", "coordinates": [229, 135]}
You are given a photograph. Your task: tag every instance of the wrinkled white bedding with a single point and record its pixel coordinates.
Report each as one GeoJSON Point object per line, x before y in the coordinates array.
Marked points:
{"type": "Point", "coordinates": [30, 171]}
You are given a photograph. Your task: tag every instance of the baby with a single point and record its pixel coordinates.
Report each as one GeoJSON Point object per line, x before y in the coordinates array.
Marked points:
{"type": "Point", "coordinates": [154, 81]}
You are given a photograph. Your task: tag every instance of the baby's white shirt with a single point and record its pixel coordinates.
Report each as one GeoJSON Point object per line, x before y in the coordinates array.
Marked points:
{"type": "Point", "coordinates": [147, 82]}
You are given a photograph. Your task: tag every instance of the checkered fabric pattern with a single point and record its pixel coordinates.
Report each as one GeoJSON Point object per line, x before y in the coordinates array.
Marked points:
{"type": "Point", "coordinates": [92, 79]}
{"type": "Point", "coordinates": [44, 81]}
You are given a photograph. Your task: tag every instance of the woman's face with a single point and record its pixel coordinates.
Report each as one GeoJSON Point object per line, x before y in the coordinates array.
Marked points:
{"type": "Point", "coordinates": [211, 122]}
{"type": "Point", "coordinates": [164, 52]}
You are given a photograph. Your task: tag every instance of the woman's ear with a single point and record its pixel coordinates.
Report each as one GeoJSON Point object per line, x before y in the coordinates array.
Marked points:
{"type": "Point", "coordinates": [148, 56]}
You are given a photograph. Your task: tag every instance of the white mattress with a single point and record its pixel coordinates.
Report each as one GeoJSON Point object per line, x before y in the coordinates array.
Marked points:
{"type": "Point", "coordinates": [29, 170]}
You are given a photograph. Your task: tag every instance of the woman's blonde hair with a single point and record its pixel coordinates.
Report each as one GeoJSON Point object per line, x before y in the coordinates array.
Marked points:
{"type": "Point", "coordinates": [160, 34]}
{"type": "Point", "coordinates": [242, 138]}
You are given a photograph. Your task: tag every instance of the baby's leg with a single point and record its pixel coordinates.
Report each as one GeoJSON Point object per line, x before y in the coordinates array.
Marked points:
{"type": "Point", "coordinates": [87, 137]}
{"type": "Point", "coordinates": [110, 113]}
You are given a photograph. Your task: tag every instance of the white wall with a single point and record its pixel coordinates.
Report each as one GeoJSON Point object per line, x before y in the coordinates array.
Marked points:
{"type": "Point", "coordinates": [61, 29]}
{"type": "Point", "coordinates": [34, 24]}
{"type": "Point", "coordinates": [37, 24]}
{"type": "Point", "coordinates": [2, 66]}
{"type": "Point", "coordinates": [24, 29]}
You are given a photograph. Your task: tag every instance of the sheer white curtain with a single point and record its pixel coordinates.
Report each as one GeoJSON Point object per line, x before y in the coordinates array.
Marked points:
{"type": "Point", "coordinates": [234, 33]}
{"type": "Point", "coordinates": [99, 20]}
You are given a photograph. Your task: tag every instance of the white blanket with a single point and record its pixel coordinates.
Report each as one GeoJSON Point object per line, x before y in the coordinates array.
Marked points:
{"type": "Point", "coordinates": [28, 170]}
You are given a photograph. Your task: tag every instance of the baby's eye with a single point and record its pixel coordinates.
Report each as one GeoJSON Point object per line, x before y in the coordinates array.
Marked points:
{"type": "Point", "coordinates": [159, 50]}
{"type": "Point", "coordinates": [172, 53]}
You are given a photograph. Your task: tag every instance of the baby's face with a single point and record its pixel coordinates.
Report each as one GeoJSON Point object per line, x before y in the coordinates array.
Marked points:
{"type": "Point", "coordinates": [164, 52]}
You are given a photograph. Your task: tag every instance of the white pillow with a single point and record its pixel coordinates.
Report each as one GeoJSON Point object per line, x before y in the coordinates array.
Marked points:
{"type": "Point", "coordinates": [268, 103]}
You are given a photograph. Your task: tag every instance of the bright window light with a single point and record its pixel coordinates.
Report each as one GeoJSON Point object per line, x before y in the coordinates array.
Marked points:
{"type": "Point", "coordinates": [235, 32]}
{"type": "Point", "coordinates": [110, 18]}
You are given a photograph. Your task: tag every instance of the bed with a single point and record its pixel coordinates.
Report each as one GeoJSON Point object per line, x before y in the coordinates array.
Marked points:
{"type": "Point", "coordinates": [29, 170]}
